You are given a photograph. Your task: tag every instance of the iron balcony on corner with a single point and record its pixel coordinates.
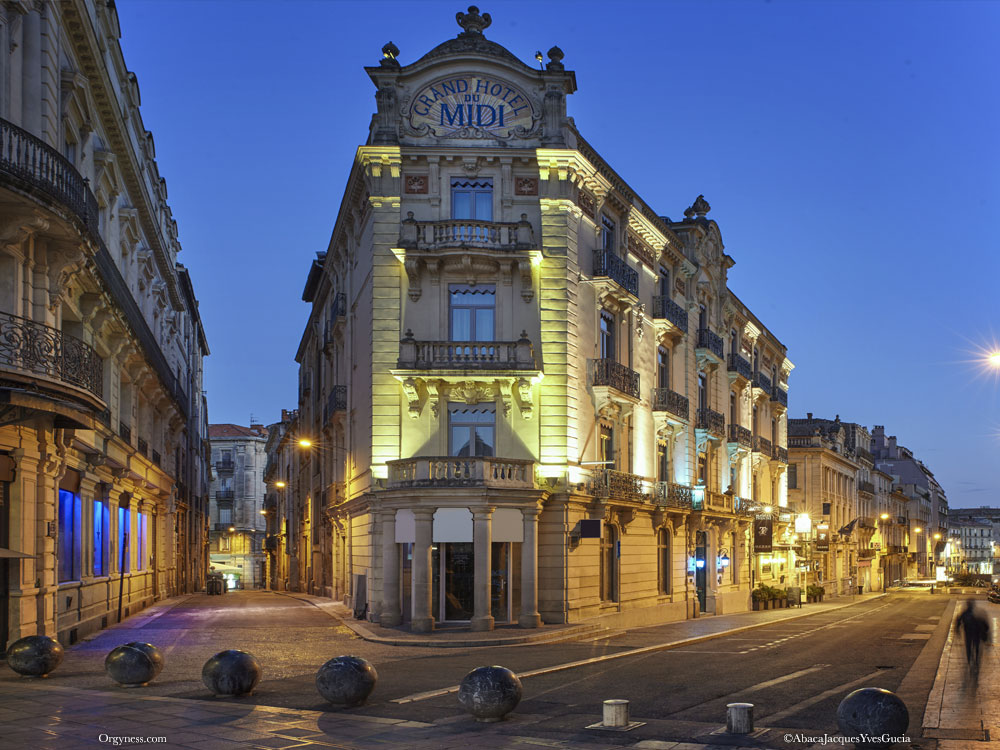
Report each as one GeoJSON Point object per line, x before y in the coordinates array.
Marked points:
{"type": "Point", "coordinates": [672, 495]}
{"type": "Point", "coordinates": [608, 264]}
{"type": "Point", "coordinates": [609, 373]}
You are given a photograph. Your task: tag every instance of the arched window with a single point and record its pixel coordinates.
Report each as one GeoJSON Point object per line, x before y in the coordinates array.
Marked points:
{"type": "Point", "coordinates": [663, 560]}
{"type": "Point", "coordinates": [609, 564]}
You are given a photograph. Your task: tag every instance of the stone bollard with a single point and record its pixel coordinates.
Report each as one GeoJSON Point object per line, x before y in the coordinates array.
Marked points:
{"type": "Point", "coordinates": [615, 713]}
{"type": "Point", "coordinates": [489, 693]}
{"type": "Point", "coordinates": [346, 680]}
{"type": "Point", "coordinates": [231, 673]}
{"type": "Point", "coordinates": [134, 664]}
{"type": "Point", "coordinates": [35, 655]}
{"type": "Point", "coordinates": [874, 713]}
{"type": "Point", "coordinates": [739, 718]}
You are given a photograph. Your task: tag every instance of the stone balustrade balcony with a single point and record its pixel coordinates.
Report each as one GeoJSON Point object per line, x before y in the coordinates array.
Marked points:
{"type": "Point", "coordinates": [466, 355]}
{"type": "Point", "coordinates": [458, 471]}
{"type": "Point", "coordinates": [497, 236]}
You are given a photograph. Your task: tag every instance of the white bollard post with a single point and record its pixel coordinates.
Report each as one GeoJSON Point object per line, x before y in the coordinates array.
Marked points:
{"type": "Point", "coordinates": [739, 718]}
{"type": "Point", "coordinates": [616, 713]}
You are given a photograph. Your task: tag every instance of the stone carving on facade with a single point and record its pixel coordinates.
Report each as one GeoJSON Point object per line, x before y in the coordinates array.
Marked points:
{"type": "Point", "coordinates": [525, 403]}
{"type": "Point", "coordinates": [412, 266]}
{"type": "Point", "coordinates": [416, 184]}
{"type": "Point", "coordinates": [527, 290]}
{"type": "Point", "coordinates": [526, 186]}
{"type": "Point", "coordinates": [412, 397]}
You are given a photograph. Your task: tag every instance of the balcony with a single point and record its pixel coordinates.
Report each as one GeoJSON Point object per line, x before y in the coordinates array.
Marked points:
{"type": "Point", "coordinates": [866, 522]}
{"type": "Point", "coordinates": [29, 349]}
{"type": "Point", "coordinates": [338, 311]}
{"type": "Point", "coordinates": [863, 455]}
{"type": "Point", "coordinates": [779, 395]}
{"type": "Point", "coordinates": [465, 355]}
{"type": "Point", "coordinates": [613, 374]}
{"type": "Point", "coordinates": [866, 487]}
{"type": "Point", "coordinates": [670, 495]}
{"type": "Point", "coordinates": [711, 421]}
{"type": "Point", "coordinates": [143, 446]}
{"type": "Point", "coordinates": [125, 432]}
{"type": "Point", "coordinates": [710, 344]}
{"type": "Point", "coordinates": [780, 454]}
{"type": "Point", "coordinates": [672, 402]}
{"type": "Point", "coordinates": [738, 368]}
{"type": "Point", "coordinates": [438, 471]}
{"type": "Point", "coordinates": [224, 494]}
{"type": "Point", "coordinates": [744, 506]}
{"type": "Point", "coordinates": [740, 436]}
{"type": "Point", "coordinates": [617, 485]}
{"type": "Point", "coordinates": [336, 401]}
{"type": "Point", "coordinates": [156, 458]}
{"type": "Point", "coordinates": [225, 466]}
{"type": "Point", "coordinates": [703, 499]}
{"type": "Point", "coordinates": [666, 309]}
{"type": "Point", "coordinates": [762, 446]}
{"type": "Point", "coordinates": [867, 554]}
{"type": "Point", "coordinates": [430, 236]}
{"type": "Point", "coordinates": [761, 384]}
{"type": "Point", "coordinates": [606, 263]}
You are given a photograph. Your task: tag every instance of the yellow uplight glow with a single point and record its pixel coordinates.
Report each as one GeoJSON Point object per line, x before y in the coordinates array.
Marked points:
{"type": "Point", "coordinates": [305, 443]}
{"type": "Point", "coordinates": [232, 528]}
{"type": "Point", "coordinates": [917, 530]}
{"type": "Point", "coordinates": [280, 485]}
{"type": "Point", "coordinates": [884, 516]}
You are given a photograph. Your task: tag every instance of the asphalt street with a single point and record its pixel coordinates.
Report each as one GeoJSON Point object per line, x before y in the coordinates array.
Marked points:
{"type": "Point", "coordinates": [795, 672]}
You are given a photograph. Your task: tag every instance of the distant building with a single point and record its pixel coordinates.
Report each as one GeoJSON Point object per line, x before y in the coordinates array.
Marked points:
{"type": "Point", "coordinates": [973, 547]}
{"type": "Point", "coordinates": [237, 512]}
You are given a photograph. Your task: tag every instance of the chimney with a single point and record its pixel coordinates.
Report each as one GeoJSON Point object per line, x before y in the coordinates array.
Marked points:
{"type": "Point", "coordinates": [892, 447]}
{"type": "Point", "coordinates": [809, 415]}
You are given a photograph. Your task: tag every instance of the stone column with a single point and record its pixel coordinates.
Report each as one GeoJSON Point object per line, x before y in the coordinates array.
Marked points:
{"type": "Point", "coordinates": [529, 618]}
{"type": "Point", "coordinates": [390, 614]}
{"type": "Point", "coordinates": [482, 536]}
{"type": "Point", "coordinates": [423, 619]}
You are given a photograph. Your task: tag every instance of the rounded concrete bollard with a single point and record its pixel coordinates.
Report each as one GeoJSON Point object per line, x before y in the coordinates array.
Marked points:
{"type": "Point", "coordinates": [489, 693]}
{"type": "Point", "coordinates": [134, 664]}
{"type": "Point", "coordinates": [346, 680]}
{"type": "Point", "coordinates": [873, 712]}
{"type": "Point", "coordinates": [231, 673]}
{"type": "Point", "coordinates": [739, 718]}
{"type": "Point", "coordinates": [35, 655]}
{"type": "Point", "coordinates": [615, 713]}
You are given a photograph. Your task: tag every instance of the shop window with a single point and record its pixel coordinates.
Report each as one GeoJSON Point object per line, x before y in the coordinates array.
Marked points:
{"type": "Point", "coordinates": [102, 518]}
{"type": "Point", "coordinates": [472, 312]}
{"type": "Point", "coordinates": [142, 520]}
{"type": "Point", "coordinates": [609, 564]}
{"type": "Point", "coordinates": [663, 560]}
{"type": "Point", "coordinates": [69, 535]}
{"type": "Point", "coordinates": [124, 550]}
{"type": "Point", "coordinates": [471, 430]}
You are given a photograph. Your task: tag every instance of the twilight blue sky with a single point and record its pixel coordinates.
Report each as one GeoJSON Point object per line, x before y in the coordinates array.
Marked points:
{"type": "Point", "coordinates": [849, 151]}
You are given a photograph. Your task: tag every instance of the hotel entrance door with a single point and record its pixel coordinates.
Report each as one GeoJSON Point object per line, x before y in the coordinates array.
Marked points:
{"type": "Point", "coordinates": [454, 563]}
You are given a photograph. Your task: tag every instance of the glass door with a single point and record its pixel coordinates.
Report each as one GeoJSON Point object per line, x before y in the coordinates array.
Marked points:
{"type": "Point", "coordinates": [453, 565]}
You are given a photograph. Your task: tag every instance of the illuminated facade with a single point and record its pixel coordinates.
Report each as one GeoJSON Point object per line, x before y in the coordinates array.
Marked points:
{"type": "Point", "coordinates": [102, 421]}
{"type": "Point", "coordinates": [528, 396]}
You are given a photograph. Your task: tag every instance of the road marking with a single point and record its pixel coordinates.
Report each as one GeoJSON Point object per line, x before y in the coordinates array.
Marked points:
{"type": "Point", "coordinates": [769, 683]}
{"type": "Point", "coordinates": [822, 696]}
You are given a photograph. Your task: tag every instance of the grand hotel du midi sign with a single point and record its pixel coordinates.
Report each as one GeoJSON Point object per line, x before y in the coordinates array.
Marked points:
{"type": "Point", "coordinates": [469, 106]}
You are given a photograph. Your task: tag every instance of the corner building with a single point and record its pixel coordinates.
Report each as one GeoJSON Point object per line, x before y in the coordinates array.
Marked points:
{"type": "Point", "coordinates": [528, 396]}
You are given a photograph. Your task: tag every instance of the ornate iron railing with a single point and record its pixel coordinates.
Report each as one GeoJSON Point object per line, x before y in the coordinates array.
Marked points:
{"type": "Point", "coordinates": [711, 421]}
{"type": "Point", "coordinates": [452, 471]}
{"type": "Point", "coordinates": [665, 399]}
{"type": "Point", "coordinates": [762, 445]}
{"type": "Point", "coordinates": [740, 366]}
{"type": "Point", "coordinates": [740, 435]}
{"type": "Point", "coordinates": [466, 355]}
{"type": "Point", "coordinates": [862, 454]}
{"type": "Point", "coordinates": [618, 376]}
{"type": "Point", "coordinates": [866, 487]}
{"type": "Point", "coordinates": [708, 339]}
{"type": "Point", "coordinates": [617, 485]}
{"type": "Point", "coordinates": [224, 495]}
{"type": "Point", "coordinates": [781, 454]}
{"type": "Point", "coordinates": [779, 395]}
{"type": "Point", "coordinates": [225, 465]}
{"type": "Point", "coordinates": [606, 263]}
{"type": "Point", "coordinates": [744, 506]}
{"type": "Point", "coordinates": [672, 495]}
{"type": "Point", "coordinates": [125, 432]}
{"type": "Point", "coordinates": [466, 233]}
{"type": "Point", "coordinates": [665, 308]}
{"type": "Point", "coordinates": [762, 381]}
{"type": "Point", "coordinates": [142, 446]}
{"type": "Point", "coordinates": [336, 401]}
{"type": "Point", "coordinates": [44, 350]}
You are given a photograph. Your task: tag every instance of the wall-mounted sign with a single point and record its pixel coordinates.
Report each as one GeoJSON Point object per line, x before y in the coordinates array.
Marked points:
{"type": "Point", "coordinates": [468, 106]}
{"type": "Point", "coordinates": [763, 535]}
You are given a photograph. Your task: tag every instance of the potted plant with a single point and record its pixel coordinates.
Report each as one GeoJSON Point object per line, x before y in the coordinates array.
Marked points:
{"type": "Point", "coordinates": [780, 597]}
{"type": "Point", "coordinates": [814, 592]}
{"type": "Point", "coordinates": [759, 599]}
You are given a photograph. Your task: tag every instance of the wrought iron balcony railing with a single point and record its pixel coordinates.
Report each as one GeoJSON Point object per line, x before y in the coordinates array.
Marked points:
{"type": "Point", "coordinates": [745, 506]}
{"type": "Point", "coordinates": [868, 487]}
{"type": "Point", "coordinates": [667, 400]}
{"type": "Point", "coordinates": [762, 445]}
{"type": "Point", "coordinates": [466, 233]}
{"type": "Point", "coordinates": [741, 436]}
{"type": "Point", "coordinates": [762, 381]}
{"type": "Point", "coordinates": [665, 308]}
{"type": "Point", "coordinates": [711, 421]}
{"type": "Point", "coordinates": [43, 350]}
{"type": "Point", "coordinates": [142, 445]}
{"type": "Point", "coordinates": [737, 364]}
{"type": "Point", "coordinates": [781, 454]}
{"type": "Point", "coordinates": [224, 494]}
{"type": "Point", "coordinates": [446, 471]}
{"type": "Point", "coordinates": [618, 376]}
{"type": "Point", "coordinates": [225, 465]}
{"type": "Point", "coordinates": [864, 455]}
{"type": "Point", "coordinates": [466, 355]}
{"type": "Point", "coordinates": [617, 485]}
{"type": "Point", "coordinates": [779, 395]}
{"type": "Point", "coordinates": [336, 401]}
{"type": "Point", "coordinates": [606, 263]}
{"type": "Point", "coordinates": [710, 340]}
{"type": "Point", "coordinates": [672, 495]}
{"type": "Point", "coordinates": [125, 432]}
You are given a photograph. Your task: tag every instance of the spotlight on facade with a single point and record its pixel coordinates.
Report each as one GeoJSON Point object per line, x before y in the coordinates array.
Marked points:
{"type": "Point", "coordinates": [768, 509]}
{"type": "Point", "coordinates": [884, 516]}
{"type": "Point", "coordinates": [232, 528]}
{"type": "Point", "coordinates": [280, 485]}
{"type": "Point", "coordinates": [803, 524]}
{"type": "Point", "coordinates": [305, 443]}
{"type": "Point", "coordinates": [917, 530]}
{"type": "Point", "coordinates": [937, 536]}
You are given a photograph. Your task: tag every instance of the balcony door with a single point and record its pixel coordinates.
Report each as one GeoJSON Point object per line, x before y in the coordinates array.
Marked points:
{"type": "Point", "coordinates": [471, 430]}
{"type": "Point", "coordinates": [608, 336]}
{"type": "Point", "coordinates": [472, 199]}
{"type": "Point", "coordinates": [472, 312]}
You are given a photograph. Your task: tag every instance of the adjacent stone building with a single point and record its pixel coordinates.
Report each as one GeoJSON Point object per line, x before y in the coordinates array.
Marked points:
{"type": "Point", "coordinates": [236, 509]}
{"type": "Point", "coordinates": [103, 479]}
{"type": "Point", "coordinates": [524, 394]}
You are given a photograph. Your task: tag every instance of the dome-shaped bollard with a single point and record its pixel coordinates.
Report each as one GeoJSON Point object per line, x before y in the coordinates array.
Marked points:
{"type": "Point", "coordinates": [489, 693]}
{"type": "Point", "coordinates": [231, 673]}
{"type": "Point", "coordinates": [874, 713]}
{"type": "Point", "coordinates": [134, 664]}
{"type": "Point", "coordinates": [346, 680]}
{"type": "Point", "coordinates": [35, 655]}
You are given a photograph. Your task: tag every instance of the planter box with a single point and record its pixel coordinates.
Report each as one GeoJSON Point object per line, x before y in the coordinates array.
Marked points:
{"type": "Point", "coordinates": [756, 606]}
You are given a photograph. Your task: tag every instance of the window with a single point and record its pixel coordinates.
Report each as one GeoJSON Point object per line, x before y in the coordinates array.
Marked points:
{"type": "Point", "coordinates": [472, 199]}
{"type": "Point", "coordinates": [225, 544]}
{"type": "Point", "coordinates": [702, 390]}
{"type": "Point", "coordinates": [734, 342]}
{"type": "Point", "coordinates": [101, 524]}
{"type": "Point", "coordinates": [608, 448]}
{"type": "Point", "coordinates": [662, 462]}
{"type": "Point", "coordinates": [142, 520]}
{"type": "Point", "coordinates": [756, 360]}
{"type": "Point", "coordinates": [471, 430]}
{"type": "Point", "coordinates": [733, 414]}
{"type": "Point", "coordinates": [607, 234]}
{"type": "Point", "coordinates": [124, 552]}
{"type": "Point", "coordinates": [662, 367]}
{"type": "Point", "coordinates": [756, 421]}
{"type": "Point", "coordinates": [702, 317]}
{"type": "Point", "coordinates": [774, 432]}
{"type": "Point", "coordinates": [609, 564]}
{"type": "Point", "coordinates": [472, 310]}
{"type": "Point", "coordinates": [663, 560]}
{"type": "Point", "coordinates": [608, 335]}
{"type": "Point", "coordinates": [826, 509]}
{"type": "Point", "coordinates": [664, 282]}
{"type": "Point", "coordinates": [69, 535]}
{"type": "Point", "coordinates": [225, 514]}
{"type": "Point", "coordinates": [703, 468]}
{"type": "Point", "coordinates": [793, 477]}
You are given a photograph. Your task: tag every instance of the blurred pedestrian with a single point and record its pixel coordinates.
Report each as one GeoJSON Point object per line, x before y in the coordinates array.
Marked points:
{"type": "Point", "coordinates": [975, 630]}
